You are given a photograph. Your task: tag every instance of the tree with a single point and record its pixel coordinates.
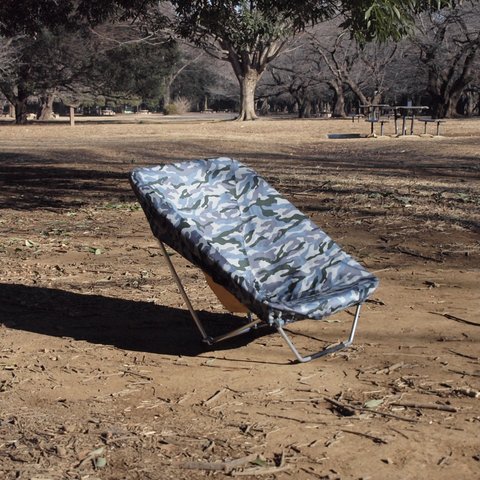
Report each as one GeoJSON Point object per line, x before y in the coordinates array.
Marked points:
{"type": "Point", "coordinates": [360, 68]}
{"type": "Point", "coordinates": [46, 63]}
{"type": "Point", "coordinates": [449, 45]}
{"type": "Point", "coordinates": [250, 34]}
{"type": "Point", "coordinates": [71, 60]}
{"type": "Point", "coordinates": [8, 54]}
{"type": "Point", "coordinates": [185, 64]}
{"type": "Point", "coordinates": [294, 73]}
{"type": "Point", "coordinates": [134, 71]}
{"type": "Point", "coordinates": [29, 17]}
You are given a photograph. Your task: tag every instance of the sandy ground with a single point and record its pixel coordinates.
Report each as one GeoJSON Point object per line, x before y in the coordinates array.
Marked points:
{"type": "Point", "coordinates": [103, 376]}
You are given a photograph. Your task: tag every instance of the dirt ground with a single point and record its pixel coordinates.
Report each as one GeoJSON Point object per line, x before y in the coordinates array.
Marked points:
{"type": "Point", "coordinates": [103, 376]}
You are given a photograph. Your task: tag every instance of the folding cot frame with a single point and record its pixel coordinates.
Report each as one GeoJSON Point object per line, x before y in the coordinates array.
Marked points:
{"type": "Point", "coordinates": [253, 324]}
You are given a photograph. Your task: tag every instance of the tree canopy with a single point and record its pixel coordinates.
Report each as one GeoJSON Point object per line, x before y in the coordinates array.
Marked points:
{"type": "Point", "coordinates": [136, 71]}
{"type": "Point", "coordinates": [32, 16]}
{"type": "Point", "coordinates": [250, 34]}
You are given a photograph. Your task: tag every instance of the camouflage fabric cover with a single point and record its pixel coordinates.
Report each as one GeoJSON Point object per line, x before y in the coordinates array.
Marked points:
{"type": "Point", "coordinates": [227, 220]}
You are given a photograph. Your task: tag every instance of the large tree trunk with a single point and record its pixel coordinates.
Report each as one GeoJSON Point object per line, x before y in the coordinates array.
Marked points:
{"type": "Point", "coordinates": [21, 111]}
{"type": "Point", "coordinates": [248, 82]}
{"type": "Point", "coordinates": [444, 101]}
{"type": "Point", "coordinates": [20, 102]}
{"type": "Point", "coordinates": [362, 98]}
{"type": "Point", "coordinates": [46, 111]}
{"type": "Point", "coordinates": [304, 108]}
{"type": "Point", "coordinates": [167, 96]}
{"type": "Point", "coordinates": [468, 104]}
{"type": "Point", "coordinates": [446, 86]}
{"type": "Point", "coordinates": [444, 104]}
{"type": "Point", "coordinates": [338, 99]}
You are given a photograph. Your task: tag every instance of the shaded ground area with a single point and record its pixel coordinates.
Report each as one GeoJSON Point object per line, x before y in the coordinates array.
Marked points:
{"type": "Point", "coordinates": [102, 375]}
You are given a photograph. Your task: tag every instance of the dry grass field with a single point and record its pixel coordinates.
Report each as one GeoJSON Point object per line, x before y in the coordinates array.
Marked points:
{"type": "Point", "coordinates": [103, 376]}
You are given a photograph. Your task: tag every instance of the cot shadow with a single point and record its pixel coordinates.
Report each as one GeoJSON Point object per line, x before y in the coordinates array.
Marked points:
{"type": "Point", "coordinates": [125, 324]}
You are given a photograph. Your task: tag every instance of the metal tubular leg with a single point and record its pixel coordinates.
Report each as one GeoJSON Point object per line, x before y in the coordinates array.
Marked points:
{"type": "Point", "coordinates": [193, 313]}
{"type": "Point", "coordinates": [206, 338]}
{"type": "Point", "coordinates": [254, 323]}
{"type": "Point", "coordinates": [243, 329]}
{"type": "Point", "coordinates": [325, 351]}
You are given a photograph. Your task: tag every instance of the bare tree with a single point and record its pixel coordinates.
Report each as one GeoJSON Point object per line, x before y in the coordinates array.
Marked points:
{"type": "Point", "coordinates": [295, 74]}
{"type": "Point", "coordinates": [360, 68]}
{"type": "Point", "coordinates": [8, 56]}
{"type": "Point", "coordinates": [448, 46]}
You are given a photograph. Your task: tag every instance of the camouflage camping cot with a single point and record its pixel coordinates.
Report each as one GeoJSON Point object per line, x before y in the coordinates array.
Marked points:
{"type": "Point", "coordinates": [252, 243]}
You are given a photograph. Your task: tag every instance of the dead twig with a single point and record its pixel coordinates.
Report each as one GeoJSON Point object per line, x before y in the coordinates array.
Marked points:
{"type": "Point", "coordinates": [214, 397]}
{"type": "Point", "coordinates": [400, 433]}
{"type": "Point", "coordinates": [390, 369]}
{"type": "Point", "coordinates": [430, 406]}
{"type": "Point", "coordinates": [227, 466]}
{"type": "Point", "coordinates": [352, 408]}
{"type": "Point", "coordinates": [366, 435]}
{"type": "Point", "coordinates": [456, 319]}
{"type": "Point", "coordinates": [260, 471]}
{"type": "Point", "coordinates": [286, 417]}
{"type": "Point", "coordinates": [464, 355]}
{"type": "Point", "coordinates": [470, 374]}
{"type": "Point", "coordinates": [407, 251]}
{"type": "Point", "coordinates": [139, 375]}
{"type": "Point", "coordinates": [91, 456]}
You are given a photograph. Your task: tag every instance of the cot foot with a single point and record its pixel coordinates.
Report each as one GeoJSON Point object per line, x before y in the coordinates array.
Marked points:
{"type": "Point", "coordinates": [326, 351]}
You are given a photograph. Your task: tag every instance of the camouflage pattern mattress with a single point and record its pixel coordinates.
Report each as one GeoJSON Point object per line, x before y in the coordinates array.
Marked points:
{"type": "Point", "coordinates": [227, 220]}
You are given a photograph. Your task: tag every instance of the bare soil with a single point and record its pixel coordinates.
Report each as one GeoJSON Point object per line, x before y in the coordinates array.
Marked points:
{"type": "Point", "coordinates": [103, 376]}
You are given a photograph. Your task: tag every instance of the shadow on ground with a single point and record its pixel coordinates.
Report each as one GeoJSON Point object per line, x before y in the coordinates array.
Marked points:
{"type": "Point", "coordinates": [126, 324]}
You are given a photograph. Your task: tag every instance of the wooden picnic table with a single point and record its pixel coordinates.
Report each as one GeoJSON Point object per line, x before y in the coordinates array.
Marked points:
{"type": "Point", "coordinates": [405, 112]}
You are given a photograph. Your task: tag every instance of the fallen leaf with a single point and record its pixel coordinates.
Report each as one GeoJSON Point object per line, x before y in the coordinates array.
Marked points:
{"type": "Point", "coordinates": [373, 403]}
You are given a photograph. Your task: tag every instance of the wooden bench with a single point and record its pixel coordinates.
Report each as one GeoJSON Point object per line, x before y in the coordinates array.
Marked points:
{"type": "Point", "coordinates": [356, 116]}
{"type": "Point", "coordinates": [381, 121]}
{"type": "Point", "coordinates": [431, 120]}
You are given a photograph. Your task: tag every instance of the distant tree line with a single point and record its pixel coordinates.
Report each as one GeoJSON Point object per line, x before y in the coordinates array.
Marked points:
{"type": "Point", "coordinates": [310, 57]}
{"type": "Point", "coordinates": [437, 65]}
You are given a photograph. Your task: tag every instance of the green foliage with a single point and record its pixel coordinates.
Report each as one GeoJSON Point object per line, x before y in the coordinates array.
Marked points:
{"type": "Point", "coordinates": [195, 83]}
{"type": "Point", "coordinates": [382, 20]}
{"type": "Point", "coordinates": [249, 24]}
{"type": "Point", "coordinates": [136, 70]}
{"type": "Point", "coordinates": [244, 24]}
{"type": "Point", "coordinates": [170, 109]}
{"type": "Point", "coordinates": [31, 16]}
{"type": "Point", "coordinates": [48, 60]}
{"type": "Point", "coordinates": [251, 33]}
{"type": "Point", "coordinates": [240, 20]}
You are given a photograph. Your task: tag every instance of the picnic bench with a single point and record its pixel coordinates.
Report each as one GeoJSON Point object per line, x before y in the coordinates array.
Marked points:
{"type": "Point", "coordinates": [356, 116]}
{"type": "Point", "coordinates": [437, 121]}
{"type": "Point", "coordinates": [373, 113]}
{"type": "Point", "coordinates": [406, 112]}
{"type": "Point", "coordinates": [381, 121]}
